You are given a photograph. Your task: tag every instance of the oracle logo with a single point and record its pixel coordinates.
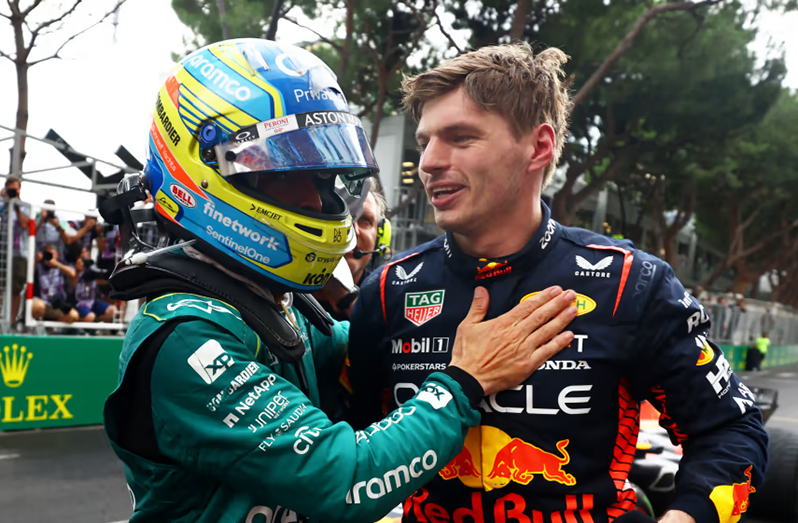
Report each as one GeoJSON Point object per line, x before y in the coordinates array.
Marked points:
{"type": "Point", "coordinates": [182, 196]}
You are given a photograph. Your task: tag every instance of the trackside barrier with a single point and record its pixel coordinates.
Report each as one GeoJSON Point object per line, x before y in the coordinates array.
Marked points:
{"type": "Point", "coordinates": [778, 356]}
{"type": "Point", "coordinates": [29, 321]}
{"type": "Point", "coordinates": [61, 381]}
{"type": "Point", "coordinates": [55, 381]}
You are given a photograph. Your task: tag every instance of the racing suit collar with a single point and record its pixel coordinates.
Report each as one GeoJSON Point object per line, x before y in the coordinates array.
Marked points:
{"type": "Point", "coordinates": [542, 243]}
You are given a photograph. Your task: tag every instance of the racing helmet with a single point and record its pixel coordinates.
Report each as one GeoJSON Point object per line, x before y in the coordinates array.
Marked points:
{"type": "Point", "coordinates": [233, 116]}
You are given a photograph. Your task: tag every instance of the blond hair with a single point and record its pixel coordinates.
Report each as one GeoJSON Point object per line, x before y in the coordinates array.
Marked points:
{"type": "Point", "coordinates": [527, 90]}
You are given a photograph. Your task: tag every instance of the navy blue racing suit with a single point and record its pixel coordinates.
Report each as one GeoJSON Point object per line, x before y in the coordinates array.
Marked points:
{"type": "Point", "coordinates": [559, 447]}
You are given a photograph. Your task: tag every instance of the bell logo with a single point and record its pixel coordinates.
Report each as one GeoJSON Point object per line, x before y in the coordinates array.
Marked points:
{"type": "Point", "coordinates": [15, 367]}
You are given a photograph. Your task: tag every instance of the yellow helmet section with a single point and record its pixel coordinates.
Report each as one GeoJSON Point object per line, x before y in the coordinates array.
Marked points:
{"type": "Point", "coordinates": [212, 94]}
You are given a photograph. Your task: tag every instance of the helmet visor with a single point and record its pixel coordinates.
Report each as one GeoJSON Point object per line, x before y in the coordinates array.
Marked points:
{"type": "Point", "coordinates": [319, 140]}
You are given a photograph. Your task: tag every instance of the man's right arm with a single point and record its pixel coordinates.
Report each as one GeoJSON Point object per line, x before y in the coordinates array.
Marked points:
{"type": "Point", "coordinates": [365, 371]}
{"type": "Point", "coordinates": [255, 431]}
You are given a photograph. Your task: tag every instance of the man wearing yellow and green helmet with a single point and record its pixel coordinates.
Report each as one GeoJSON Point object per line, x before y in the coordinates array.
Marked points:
{"type": "Point", "coordinates": [216, 413]}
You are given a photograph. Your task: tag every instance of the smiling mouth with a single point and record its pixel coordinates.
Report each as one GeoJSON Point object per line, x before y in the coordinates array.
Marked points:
{"type": "Point", "coordinates": [444, 192]}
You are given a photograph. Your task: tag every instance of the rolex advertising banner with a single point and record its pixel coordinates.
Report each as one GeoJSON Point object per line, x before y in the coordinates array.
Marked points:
{"type": "Point", "coordinates": [55, 381]}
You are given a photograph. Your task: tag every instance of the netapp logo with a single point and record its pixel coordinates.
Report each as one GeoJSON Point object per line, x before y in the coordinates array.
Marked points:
{"type": "Point", "coordinates": [422, 346]}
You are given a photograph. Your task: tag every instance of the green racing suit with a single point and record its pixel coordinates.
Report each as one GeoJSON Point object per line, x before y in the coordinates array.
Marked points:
{"type": "Point", "coordinates": [236, 440]}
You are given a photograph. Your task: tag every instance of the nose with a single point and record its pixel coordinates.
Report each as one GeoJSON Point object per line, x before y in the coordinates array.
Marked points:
{"type": "Point", "coordinates": [435, 158]}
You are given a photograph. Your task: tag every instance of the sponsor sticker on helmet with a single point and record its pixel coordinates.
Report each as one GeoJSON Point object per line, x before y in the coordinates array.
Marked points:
{"type": "Point", "coordinates": [183, 196]}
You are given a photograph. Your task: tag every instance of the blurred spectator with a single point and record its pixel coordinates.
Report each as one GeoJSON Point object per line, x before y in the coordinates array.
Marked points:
{"type": "Point", "coordinates": [758, 352]}
{"type": "Point", "coordinates": [107, 243]}
{"type": "Point", "coordinates": [84, 283]}
{"type": "Point", "coordinates": [19, 265]}
{"type": "Point", "coordinates": [367, 214]}
{"type": "Point", "coordinates": [50, 232]}
{"type": "Point", "coordinates": [767, 322]}
{"type": "Point", "coordinates": [50, 288]}
{"type": "Point", "coordinates": [86, 231]}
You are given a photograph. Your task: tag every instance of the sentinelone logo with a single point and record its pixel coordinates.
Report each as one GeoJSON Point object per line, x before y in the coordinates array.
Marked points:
{"type": "Point", "coordinates": [246, 232]}
{"type": "Point", "coordinates": [14, 367]}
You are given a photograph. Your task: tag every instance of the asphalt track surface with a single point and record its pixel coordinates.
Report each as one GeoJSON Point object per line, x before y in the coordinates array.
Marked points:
{"type": "Point", "coordinates": [72, 476]}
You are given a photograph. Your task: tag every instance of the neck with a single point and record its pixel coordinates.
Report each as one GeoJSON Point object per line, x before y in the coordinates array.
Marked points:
{"type": "Point", "coordinates": [494, 240]}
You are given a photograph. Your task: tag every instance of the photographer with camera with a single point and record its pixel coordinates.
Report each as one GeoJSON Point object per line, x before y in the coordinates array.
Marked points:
{"type": "Point", "coordinates": [50, 288]}
{"type": "Point", "coordinates": [19, 266]}
{"type": "Point", "coordinates": [84, 286]}
{"type": "Point", "coordinates": [50, 232]}
{"type": "Point", "coordinates": [85, 232]}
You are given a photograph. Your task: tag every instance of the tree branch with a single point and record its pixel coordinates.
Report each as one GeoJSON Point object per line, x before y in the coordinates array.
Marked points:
{"type": "Point", "coordinates": [5, 55]}
{"type": "Point", "coordinates": [33, 6]}
{"type": "Point", "coordinates": [55, 20]}
{"type": "Point", "coordinates": [323, 38]}
{"type": "Point", "coordinates": [626, 44]}
{"type": "Point", "coordinates": [442, 29]}
{"type": "Point", "coordinates": [72, 37]}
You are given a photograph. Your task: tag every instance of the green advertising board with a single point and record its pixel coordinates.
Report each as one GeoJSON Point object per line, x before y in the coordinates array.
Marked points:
{"type": "Point", "coordinates": [61, 381]}
{"type": "Point", "coordinates": [55, 381]}
{"type": "Point", "coordinates": [778, 356]}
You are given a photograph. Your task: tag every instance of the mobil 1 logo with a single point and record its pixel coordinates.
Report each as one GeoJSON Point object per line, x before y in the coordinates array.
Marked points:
{"type": "Point", "coordinates": [420, 346]}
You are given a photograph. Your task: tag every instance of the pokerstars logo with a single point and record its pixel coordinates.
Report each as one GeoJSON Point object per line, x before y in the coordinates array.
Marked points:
{"type": "Point", "coordinates": [421, 307]}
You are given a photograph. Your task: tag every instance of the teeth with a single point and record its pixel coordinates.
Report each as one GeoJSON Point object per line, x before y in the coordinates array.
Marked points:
{"type": "Point", "coordinates": [439, 192]}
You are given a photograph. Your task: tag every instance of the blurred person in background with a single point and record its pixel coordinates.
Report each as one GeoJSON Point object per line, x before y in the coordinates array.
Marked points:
{"type": "Point", "coordinates": [84, 286]}
{"type": "Point", "coordinates": [107, 244]}
{"type": "Point", "coordinates": [86, 231]}
{"type": "Point", "coordinates": [50, 232]}
{"type": "Point", "coordinates": [368, 217]}
{"type": "Point", "coordinates": [19, 264]}
{"type": "Point", "coordinates": [51, 299]}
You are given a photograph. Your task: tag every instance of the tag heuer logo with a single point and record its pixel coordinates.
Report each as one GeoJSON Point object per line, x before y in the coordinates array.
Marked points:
{"type": "Point", "coordinates": [210, 361]}
{"type": "Point", "coordinates": [420, 307]}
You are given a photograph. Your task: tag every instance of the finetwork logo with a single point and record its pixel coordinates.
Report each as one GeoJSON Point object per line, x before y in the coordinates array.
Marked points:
{"type": "Point", "coordinates": [15, 367]}
{"type": "Point", "coordinates": [210, 361]}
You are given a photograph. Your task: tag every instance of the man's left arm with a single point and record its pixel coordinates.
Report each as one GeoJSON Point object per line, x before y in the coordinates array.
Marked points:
{"type": "Point", "coordinates": [704, 405]}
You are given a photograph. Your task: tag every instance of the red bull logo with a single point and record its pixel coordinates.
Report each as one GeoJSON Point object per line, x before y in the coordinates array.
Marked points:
{"type": "Point", "coordinates": [707, 354]}
{"type": "Point", "coordinates": [732, 501]}
{"type": "Point", "coordinates": [493, 269]}
{"type": "Point", "coordinates": [506, 460]}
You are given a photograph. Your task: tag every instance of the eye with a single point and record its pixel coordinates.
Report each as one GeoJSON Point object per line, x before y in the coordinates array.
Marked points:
{"type": "Point", "coordinates": [462, 138]}
{"type": "Point", "coordinates": [421, 147]}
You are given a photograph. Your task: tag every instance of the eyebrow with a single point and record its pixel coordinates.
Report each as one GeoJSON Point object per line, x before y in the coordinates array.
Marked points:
{"type": "Point", "coordinates": [449, 129]}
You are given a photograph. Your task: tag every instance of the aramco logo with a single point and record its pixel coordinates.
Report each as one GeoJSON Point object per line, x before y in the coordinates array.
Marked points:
{"type": "Point", "coordinates": [14, 366]}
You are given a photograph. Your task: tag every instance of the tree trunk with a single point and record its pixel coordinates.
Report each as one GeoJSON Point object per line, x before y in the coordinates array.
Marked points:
{"type": "Point", "coordinates": [669, 244]}
{"type": "Point", "coordinates": [379, 108]}
{"type": "Point", "coordinates": [345, 49]}
{"type": "Point", "coordinates": [21, 122]}
{"type": "Point", "coordinates": [519, 22]}
{"type": "Point", "coordinates": [271, 32]}
{"type": "Point", "coordinates": [743, 278]}
{"type": "Point", "coordinates": [559, 205]}
{"type": "Point", "coordinates": [223, 19]}
{"type": "Point", "coordinates": [623, 210]}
